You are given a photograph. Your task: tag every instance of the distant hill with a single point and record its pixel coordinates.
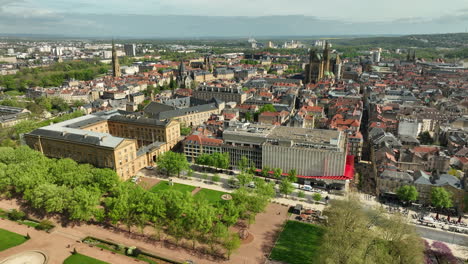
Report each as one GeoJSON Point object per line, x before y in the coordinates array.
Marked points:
{"type": "Point", "coordinates": [452, 40]}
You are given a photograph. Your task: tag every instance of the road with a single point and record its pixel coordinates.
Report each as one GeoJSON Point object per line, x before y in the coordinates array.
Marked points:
{"type": "Point", "coordinates": [444, 236]}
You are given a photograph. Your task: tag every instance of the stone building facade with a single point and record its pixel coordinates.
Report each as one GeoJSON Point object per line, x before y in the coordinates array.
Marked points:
{"type": "Point", "coordinates": [115, 140]}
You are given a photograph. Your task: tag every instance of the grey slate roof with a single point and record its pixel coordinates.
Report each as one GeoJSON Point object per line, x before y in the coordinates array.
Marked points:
{"type": "Point", "coordinates": [444, 179]}
{"type": "Point", "coordinates": [138, 120]}
{"type": "Point", "coordinates": [78, 136]}
{"type": "Point", "coordinates": [396, 175]}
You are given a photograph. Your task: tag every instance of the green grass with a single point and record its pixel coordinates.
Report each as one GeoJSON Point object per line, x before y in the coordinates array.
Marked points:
{"type": "Point", "coordinates": [211, 195]}
{"type": "Point", "coordinates": [82, 259]}
{"type": "Point", "coordinates": [29, 223]}
{"type": "Point", "coordinates": [298, 243]}
{"type": "Point", "coordinates": [14, 93]}
{"type": "Point", "coordinates": [164, 185]}
{"type": "Point", "coordinates": [10, 239]}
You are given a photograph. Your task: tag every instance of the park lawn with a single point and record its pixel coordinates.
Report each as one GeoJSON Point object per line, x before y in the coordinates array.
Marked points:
{"type": "Point", "coordinates": [298, 243]}
{"type": "Point", "coordinates": [164, 185]}
{"type": "Point", "coordinates": [10, 239]}
{"type": "Point", "coordinates": [82, 259]}
{"type": "Point", "coordinates": [211, 195]}
{"type": "Point", "coordinates": [14, 93]}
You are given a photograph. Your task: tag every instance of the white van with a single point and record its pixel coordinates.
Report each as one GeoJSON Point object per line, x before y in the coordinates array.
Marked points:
{"type": "Point", "coordinates": [307, 188]}
{"type": "Point", "coordinates": [295, 185]}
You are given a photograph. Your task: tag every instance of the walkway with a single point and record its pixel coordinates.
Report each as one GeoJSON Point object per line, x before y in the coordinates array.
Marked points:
{"type": "Point", "coordinates": [55, 245]}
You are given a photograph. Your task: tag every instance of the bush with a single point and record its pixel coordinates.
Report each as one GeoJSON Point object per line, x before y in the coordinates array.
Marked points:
{"type": "Point", "coordinates": [45, 225]}
{"type": "Point", "coordinates": [301, 194]}
{"type": "Point", "coordinates": [16, 215]}
{"type": "Point", "coordinates": [317, 197]}
{"type": "Point", "coordinates": [216, 178]}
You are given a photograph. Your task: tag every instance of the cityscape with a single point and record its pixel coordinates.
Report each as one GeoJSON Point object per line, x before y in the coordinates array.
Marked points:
{"type": "Point", "coordinates": [242, 148]}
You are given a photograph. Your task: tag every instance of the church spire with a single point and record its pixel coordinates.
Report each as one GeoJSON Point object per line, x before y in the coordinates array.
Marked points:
{"type": "Point", "coordinates": [326, 57]}
{"type": "Point", "coordinates": [115, 62]}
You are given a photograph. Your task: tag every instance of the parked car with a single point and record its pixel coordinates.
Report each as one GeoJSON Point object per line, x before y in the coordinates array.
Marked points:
{"type": "Point", "coordinates": [296, 185]}
{"type": "Point", "coordinates": [135, 179]}
{"type": "Point", "coordinates": [307, 188]}
{"type": "Point", "coordinates": [297, 209]}
{"type": "Point", "coordinates": [251, 185]}
{"type": "Point", "coordinates": [149, 167]}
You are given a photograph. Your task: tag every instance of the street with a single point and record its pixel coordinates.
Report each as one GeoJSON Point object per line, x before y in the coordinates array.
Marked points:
{"type": "Point", "coordinates": [444, 236]}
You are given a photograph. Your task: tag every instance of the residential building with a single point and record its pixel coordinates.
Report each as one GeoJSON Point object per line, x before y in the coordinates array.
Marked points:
{"type": "Point", "coordinates": [130, 50]}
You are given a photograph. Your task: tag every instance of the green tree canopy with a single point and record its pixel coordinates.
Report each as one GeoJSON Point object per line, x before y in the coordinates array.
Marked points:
{"type": "Point", "coordinates": [267, 108]}
{"type": "Point", "coordinates": [173, 163]}
{"type": "Point", "coordinates": [425, 138]}
{"type": "Point", "coordinates": [407, 193]}
{"type": "Point", "coordinates": [292, 175]}
{"type": "Point", "coordinates": [441, 198]}
{"type": "Point", "coordinates": [286, 187]}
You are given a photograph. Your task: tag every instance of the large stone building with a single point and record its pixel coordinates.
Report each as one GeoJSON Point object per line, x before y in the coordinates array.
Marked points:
{"type": "Point", "coordinates": [10, 116]}
{"type": "Point", "coordinates": [188, 110]}
{"type": "Point", "coordinates": [322, 66]}
{"type": "Point", "coordinates": [118, 140]}
{"type": "Point", "coordinates": [226, 94]}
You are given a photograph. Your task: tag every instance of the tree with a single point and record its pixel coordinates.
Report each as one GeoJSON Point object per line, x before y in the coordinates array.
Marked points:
{"type": "Point", "coordinates": [231, 243]}
{"type": "Point", "coordinates": [425, 138]}
{"type": "Point", "coordinates": [441, 198]}
{"type": "Point", "coordinates": [243, 164]}
{"type": "Point", "coordinates": [221, 160]}
{"type": "Point", "coordinates": [267, 108]}
{"type": "Point", "coordinates": [286, 187]}
{"type": "Point", "coordinates": [292, 175]}
{"type": "Point", "coordinates": [407, 193]}
{"type": "Point", "coordinates": [16, 215]}
{"type": "Point", "coordinates": [317, 197]}
{"type": "Point", "coordinates": [244, 178]}
{"type": "Point", "coordinates": [184, 130]}
{"type": "Point", "coordinates": [277, 172]}
{"type": "Point", "coordinates": [301, 194]}
{"type": "Point", "coordinates": [265, 171]}
{"type": "Point", "coordinates": [356, 234]}
{"type": "Point", "coordinates": [218, 232]}
{"type": "Point", "coordinates": [173, 162]}
{"type": "Point", "coordinates": [248, 117]}
{"type": "Point", "coordinates": [172, 83]}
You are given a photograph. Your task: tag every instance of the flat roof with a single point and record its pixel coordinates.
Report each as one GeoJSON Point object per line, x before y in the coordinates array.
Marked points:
{"type": "Point", "coordinates": [298, 134]}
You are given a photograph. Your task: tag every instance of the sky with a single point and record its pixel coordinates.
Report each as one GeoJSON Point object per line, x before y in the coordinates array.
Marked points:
{"type": "Point", "coordinates": [85, 16]}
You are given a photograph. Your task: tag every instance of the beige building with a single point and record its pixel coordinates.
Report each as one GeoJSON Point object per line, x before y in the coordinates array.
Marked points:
{"type": "Point", "coordinates": [187, 110]}
{"type": "Point", "coordinates": [226, 94]}
{"type": "Point", "coordinates": [123, 143]}
{"type": "Point", "coordinates": [203, 76]}
{"type": "Point", "coordinates": [10, 116]}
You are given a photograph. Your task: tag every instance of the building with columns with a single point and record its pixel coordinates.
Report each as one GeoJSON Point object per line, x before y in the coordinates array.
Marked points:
{"type": "Point", "coordinates": [115, 139]}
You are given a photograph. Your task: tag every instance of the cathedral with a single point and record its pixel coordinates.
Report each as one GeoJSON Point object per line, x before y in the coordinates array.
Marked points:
{"type": "Point", "coordinates": [322, 66]}
{"type": "Point", "coordinates": [183, 79]}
